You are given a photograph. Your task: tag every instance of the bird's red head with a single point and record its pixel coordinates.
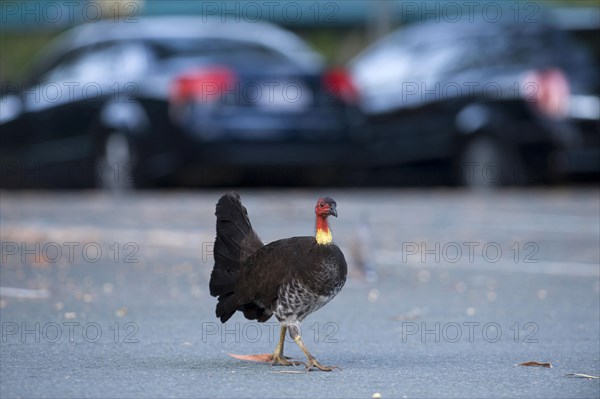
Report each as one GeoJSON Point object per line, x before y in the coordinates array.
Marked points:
{"type": "Point", "coordinates": [325, 206]}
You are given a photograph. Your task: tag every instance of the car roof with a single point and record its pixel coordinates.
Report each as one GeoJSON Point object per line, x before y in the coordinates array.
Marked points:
{"type": "Point", "coordinates": [174, 27]}
{"type": "Point", "coordinates": [447, 31]}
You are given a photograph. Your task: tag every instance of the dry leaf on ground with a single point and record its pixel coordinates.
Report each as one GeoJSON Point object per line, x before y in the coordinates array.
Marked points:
{"type": "Point", "coordinates": [536, 364]}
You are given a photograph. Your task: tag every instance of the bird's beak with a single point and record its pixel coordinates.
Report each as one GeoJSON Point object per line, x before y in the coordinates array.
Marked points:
{"type": "Point", "coordinates": [332, 210]}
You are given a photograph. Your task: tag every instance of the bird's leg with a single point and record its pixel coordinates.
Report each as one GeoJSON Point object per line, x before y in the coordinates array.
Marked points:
{"type": "Point", "coordinates": [279, 348]}
{"type": "Point", "coordinates": [273, 358]}
{"type": "Point", "coordinates": [278, 357]}
{"type": "Point", "coordinates": [312, 362]}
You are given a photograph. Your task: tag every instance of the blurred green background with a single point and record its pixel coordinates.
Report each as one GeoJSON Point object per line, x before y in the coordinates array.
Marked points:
{"type": "Point", "coordinates": [337, 29]}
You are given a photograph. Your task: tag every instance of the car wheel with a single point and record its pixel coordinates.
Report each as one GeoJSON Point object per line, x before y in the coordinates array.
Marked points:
{"type": "Point", "coordinates": [115, 163]}
{"type": "Point", "coordinates": [485, 162]}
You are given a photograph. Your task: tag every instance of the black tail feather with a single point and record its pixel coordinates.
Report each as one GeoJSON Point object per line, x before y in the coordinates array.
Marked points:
{"type": "Point", "coordinates": [226, 306]}
{"type": "Point", "coordinates": [236, 240]}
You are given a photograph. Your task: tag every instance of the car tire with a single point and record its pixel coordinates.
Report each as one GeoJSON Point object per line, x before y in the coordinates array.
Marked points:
{"type": "Point", "coordinates": [115, 163]}
{"type": "Point", "coordinates": [486, 162]}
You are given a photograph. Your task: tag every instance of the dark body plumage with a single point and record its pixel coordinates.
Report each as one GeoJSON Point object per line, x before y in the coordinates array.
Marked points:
{"type": "Point", "coordinates": [290, 278]}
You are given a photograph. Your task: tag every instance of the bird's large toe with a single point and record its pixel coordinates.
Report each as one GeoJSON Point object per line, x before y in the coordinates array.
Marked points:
{"type": "Point", "coordinates": [314, 363]}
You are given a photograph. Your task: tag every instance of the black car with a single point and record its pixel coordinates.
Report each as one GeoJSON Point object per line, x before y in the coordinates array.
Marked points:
{"type": "Point", "coordinates": [175, 100]}
{"type": "Point", "coordinates": [480, 101]}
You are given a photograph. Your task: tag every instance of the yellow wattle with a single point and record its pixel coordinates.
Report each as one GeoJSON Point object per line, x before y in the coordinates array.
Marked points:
{"type": "Point", "coordinates": [324, 237]}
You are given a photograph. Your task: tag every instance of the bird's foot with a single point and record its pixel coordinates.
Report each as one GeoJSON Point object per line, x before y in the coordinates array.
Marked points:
{"type": "Point", "coordinates": [314, 363]}
{"type": "Point", "coordinates": [269, 358]}
{"type": "Point", "coordinates": [285, 361]}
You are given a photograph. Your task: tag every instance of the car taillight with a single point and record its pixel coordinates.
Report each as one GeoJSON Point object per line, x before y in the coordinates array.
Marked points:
{"type": "Point", "coordinates": [206, 85]}
{"type": "Point", "coordinates": [548, 92]}
{"type": "Point", "coordinates": [339, 83]}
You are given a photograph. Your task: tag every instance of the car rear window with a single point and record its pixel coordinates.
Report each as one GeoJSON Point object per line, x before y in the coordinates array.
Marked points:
{"type": "Point", "coordinates": [165, 49]}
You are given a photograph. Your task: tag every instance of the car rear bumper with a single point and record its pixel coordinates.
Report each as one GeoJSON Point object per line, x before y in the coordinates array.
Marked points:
{"type": "Point", "coordinates": [256, 125]}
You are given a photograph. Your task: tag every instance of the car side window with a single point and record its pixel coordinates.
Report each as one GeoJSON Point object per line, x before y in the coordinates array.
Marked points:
{"type": "Point", "coordinates": [86, 65]}
{"type": "Point", "coordinates": [99, 63]}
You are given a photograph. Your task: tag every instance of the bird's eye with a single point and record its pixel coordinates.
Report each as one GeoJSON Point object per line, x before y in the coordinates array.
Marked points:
{"type": "Point", "coordinates": [322, 205]}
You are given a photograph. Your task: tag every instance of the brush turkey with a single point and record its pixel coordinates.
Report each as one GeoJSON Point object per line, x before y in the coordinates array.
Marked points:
{"type": "Point", "coordinates": [288, 278]}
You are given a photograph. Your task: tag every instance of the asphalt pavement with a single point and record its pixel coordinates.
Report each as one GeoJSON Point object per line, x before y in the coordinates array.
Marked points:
{"type": "Point", "coordinates": [107, 296]}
